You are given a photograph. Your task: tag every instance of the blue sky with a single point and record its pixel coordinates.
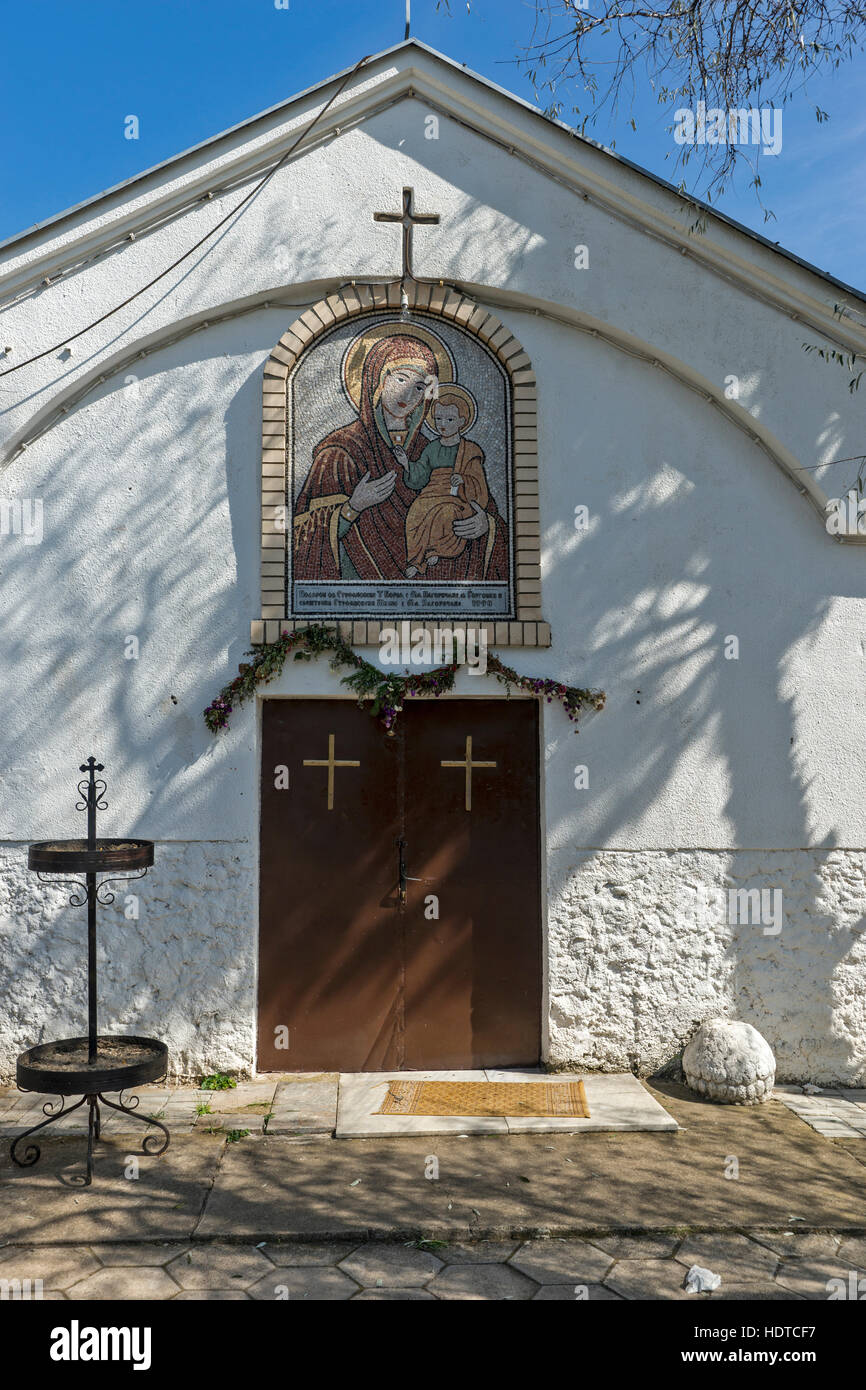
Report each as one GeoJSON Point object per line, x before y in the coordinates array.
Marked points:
{"type": "Point", "coordinates": [190, 68]}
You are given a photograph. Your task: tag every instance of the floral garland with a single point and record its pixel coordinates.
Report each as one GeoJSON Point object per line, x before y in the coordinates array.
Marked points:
{"type": "Point", "coordinates": [386, 693]}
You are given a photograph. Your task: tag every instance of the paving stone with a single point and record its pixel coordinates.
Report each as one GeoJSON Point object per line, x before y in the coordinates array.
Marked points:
{"type": "Point", "coordinates": [585, 1293]}
{"type": "Point", "coordinates": [164, 1204]}
{"type": "Point", "coordinates": [850, 1117]}
{"type": "Point", "coordinates": [852, 1251]}
{"type": "Point", "coordinates": [731, 1255]}
{"type": "Point", "coordinates": [313, 1282]}
{"type": "Point", "coordinates": [219, 1267]}
{"type": "Point", "coordinates": [649, 1280]}
{"type": "Point", "coordinates": [637, 1247]}
{"type": "Point", "coordinates": [310, 1252]}
{"type": "Point", "coordinates": [58, 1266]}
{"type": "Point", "coordinates": [225, 1122]}
{"type": "Point", "coordinates": [14, 1290]}
{"type": "Point", "coordinates": [125, 1283]}
{"type": "Point", "coordinates": [137, 1254]}
{"type": "Point", "coordinates": [393, 1295]}
{"type": "Point", "coordinates": [149, 1102]}
{"type": "Point", "coordinates": [20, 1114]}
{"type": "Point", "coordinates": [391, 1266]}
{"type": "Point", "coordinates": [476, 1281]}
{"type": "Point", "coordinates": [836, 1129]}
{"type": "Point", "coordinates": [23, 1100]}
{"type": "Point", "coordinates": [307, 1105]}
{"type": "Point", "coordinates": [303, 1078]}
{"type": "Point", "coordinates": [208, 1295]}
{"type": "Point", "coordinates": [561, 1261]}
{"type": "Point", "coordinates": [805, 1102]}
{"type": "Point", "coordinates": [74, 1121]}
{"type": "Point", "coordinates": [800, 1244]}
{"type": "Point", "coordinates": [47, 1296]}
{"type": "Point", "coordinates": [477, 1252]}
{"type": "Point", "coordinates": [812, 1278]}
{"type": "Point", "coordinates": [754, 1292]}
{"type": "Point", "coordinates": [268, 1187]}
{"type": "Point", "coordinates": [247, 1093]}
{"type": "Point", "coordinates": [123, 1124]}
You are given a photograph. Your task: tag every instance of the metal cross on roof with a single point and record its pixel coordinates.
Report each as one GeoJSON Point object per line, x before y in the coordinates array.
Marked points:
{"type": "Point", "coordinates": [408, 220]}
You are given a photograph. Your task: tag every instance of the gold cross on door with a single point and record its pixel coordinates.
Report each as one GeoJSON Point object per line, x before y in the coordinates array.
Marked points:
{"type": "Point", "coordinates": [468, 764]}
{"type": "Point", "coordinates": [330, 763]}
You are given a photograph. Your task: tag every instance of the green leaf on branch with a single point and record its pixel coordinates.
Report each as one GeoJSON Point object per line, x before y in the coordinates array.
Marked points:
{"type": "Point", "coordinates": [383, 695]}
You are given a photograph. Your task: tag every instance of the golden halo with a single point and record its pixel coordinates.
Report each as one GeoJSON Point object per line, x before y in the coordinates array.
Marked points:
{"type": "Point", "coordinates": [352, 365]}
{"type": "Point", "coordinates": [452, 389]}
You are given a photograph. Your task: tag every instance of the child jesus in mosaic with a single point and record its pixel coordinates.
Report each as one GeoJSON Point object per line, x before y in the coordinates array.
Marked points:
{"type": "Point", "coordinates": [448, 477]}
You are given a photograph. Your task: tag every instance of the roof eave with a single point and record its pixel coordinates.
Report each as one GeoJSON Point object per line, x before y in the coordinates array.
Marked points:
{"type": "Point", "coordinates": [55, 222]}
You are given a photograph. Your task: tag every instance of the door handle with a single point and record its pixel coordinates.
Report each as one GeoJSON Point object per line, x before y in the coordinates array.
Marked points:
{"type": "Point", "coordinates": [401, 868]}
{"type": "Point", "coordinates": [404, 878]}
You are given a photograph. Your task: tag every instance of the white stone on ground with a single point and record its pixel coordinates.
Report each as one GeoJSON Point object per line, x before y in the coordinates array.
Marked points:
{"type": "Point", "coordinates": [699, 1280]}
{"type": "Point", "coordinates": [730, 1062]}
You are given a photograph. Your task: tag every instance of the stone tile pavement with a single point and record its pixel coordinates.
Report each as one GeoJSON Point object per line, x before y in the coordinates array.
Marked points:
{"type": "Point", "coordinates": [307, 1103]}
{"type": "Point", "coordinates": [835, 1112]}
{"type": "Point", "coordinates": [754, 1266]}
{"type": "Point", "coordinates": [303, 1103]}
{"type": "Point", "coordinates": [342, 1103]}
{"type": "Point", "coordinates": [281, 1209]}
{"type": "Point", "coordinates": [615, 1100]}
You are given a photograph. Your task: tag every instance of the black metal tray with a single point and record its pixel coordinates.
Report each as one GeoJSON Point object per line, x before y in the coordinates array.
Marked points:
{"type": "Point", "coordinates": [73, 856]}
{"type": "Point", "coordinates": [61, 1068]}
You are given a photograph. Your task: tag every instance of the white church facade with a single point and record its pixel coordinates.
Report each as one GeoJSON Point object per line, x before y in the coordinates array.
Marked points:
{"type": "Point", "coordinates": [450, 365]}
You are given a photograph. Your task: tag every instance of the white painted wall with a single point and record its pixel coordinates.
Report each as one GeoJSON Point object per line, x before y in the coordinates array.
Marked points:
{"type": "Point", "coordinates": [725, 774]}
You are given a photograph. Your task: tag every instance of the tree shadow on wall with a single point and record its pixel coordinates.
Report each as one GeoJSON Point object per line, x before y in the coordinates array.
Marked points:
{"type": "Point", "coordinates": [690, 543]}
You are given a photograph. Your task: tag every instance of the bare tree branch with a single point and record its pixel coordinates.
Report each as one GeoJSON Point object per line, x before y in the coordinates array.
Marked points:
{"type": "Point", "coordinates": [734, 57]}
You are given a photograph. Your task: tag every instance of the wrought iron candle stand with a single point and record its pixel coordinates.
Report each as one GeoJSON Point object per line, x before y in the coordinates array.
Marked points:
{"type": "Point", "coordinates": [88, 1067]}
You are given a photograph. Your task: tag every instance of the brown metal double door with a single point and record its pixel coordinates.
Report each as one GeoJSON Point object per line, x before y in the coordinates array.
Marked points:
{"type": "Point", "coordinates": [355, 974]}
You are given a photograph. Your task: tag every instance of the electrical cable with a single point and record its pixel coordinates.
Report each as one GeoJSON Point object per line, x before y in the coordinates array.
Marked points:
{"type": "Point", "coordinates": [64, 342]}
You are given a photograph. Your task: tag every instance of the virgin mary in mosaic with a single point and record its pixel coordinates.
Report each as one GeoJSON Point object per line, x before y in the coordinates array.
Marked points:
{"type": "Point", "coordinates": [403, 506]}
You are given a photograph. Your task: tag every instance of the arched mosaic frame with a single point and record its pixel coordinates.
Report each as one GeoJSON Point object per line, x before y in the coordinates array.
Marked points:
{"type": "Point", "coordinates": [527, 628]}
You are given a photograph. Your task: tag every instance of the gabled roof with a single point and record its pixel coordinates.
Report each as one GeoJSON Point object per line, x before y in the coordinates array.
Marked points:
{"type": "Point", "coordinates": [407, 46]}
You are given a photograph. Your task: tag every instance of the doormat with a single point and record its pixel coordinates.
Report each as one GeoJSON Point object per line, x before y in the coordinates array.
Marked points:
{"type": "Point", "coordinates": [512, 1098]}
